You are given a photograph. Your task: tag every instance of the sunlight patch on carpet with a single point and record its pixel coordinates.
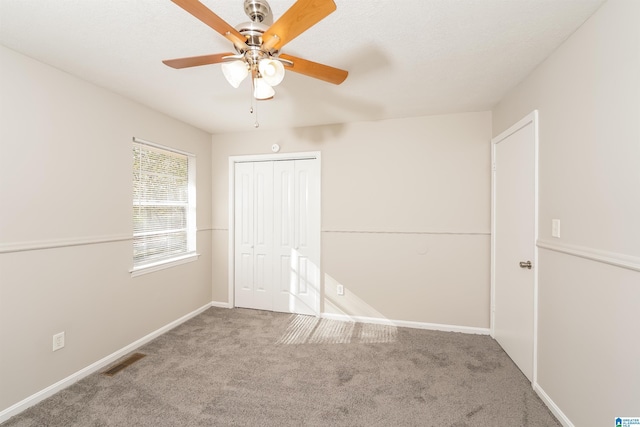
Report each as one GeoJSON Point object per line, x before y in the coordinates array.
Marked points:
{"type": "Point", "coordinates": [372, 334]}
{"type": "Point", "coordinates": [332, 332]}
{"type": "Point", "coordinates": [312, 330]}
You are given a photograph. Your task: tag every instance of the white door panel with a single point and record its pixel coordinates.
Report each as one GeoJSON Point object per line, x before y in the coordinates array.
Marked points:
{"type": "Point", "coordinates": [263, 235]}
{"type": "Point", "coordinates": [284, 232]}
{"type": "Point", "coordinates": [245, 272]}
{"type": "Point", "coordinates": [307, 235]}
{"type": "Point", "coordinates": [244, 212]}
{"type": "Point", "coordinates": [514, 237]}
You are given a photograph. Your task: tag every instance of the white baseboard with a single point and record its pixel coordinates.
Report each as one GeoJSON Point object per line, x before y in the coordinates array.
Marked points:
{"type": "Point", "coordinates": [220, 304]}
{"type": "Point", "coordinates": [407, 324]}
{"type": "Point", "coordinates": [66, 382]}
{"type": "Point", "coordinates": [564, 420]}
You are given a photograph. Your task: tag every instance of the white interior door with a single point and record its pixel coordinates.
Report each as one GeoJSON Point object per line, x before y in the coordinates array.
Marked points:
{"type": "Point", "coordinates": [514, 235]}
{"type": "Point", "coordinates": [277, 235]}
{"type": "Point", "coordinates": [254, 235]}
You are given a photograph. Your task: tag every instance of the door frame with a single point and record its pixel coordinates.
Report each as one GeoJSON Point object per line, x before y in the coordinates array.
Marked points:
{"type": "Point", "coordinates": [311, 155]}
{"type": "Point", "coordinates": [531, 118]}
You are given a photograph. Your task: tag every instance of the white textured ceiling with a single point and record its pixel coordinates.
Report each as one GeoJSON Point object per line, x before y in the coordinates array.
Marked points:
{"type": "Point", "coordinates": [405, 57]}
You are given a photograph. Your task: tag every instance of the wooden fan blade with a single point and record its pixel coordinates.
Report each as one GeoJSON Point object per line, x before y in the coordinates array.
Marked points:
{"type": "Point", "coordinates": [300, 17]}
{"type": "Point", "coordinates": [195, 61]}
{"type": "Point", "coordinates": [315, 70]}
{"type": "Point", "coordinates": [204, 14]}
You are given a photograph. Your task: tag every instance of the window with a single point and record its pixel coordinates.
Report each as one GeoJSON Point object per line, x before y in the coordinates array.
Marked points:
{"type": "Point", "coordinates": [164, 206]}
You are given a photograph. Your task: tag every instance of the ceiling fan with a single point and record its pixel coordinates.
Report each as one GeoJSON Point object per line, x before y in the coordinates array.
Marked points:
{"type": "Point", "coordinates": [257, 44]}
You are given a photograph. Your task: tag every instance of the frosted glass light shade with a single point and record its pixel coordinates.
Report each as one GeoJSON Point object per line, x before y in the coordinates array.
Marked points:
{"type": "Point", "coordinates": [262, 90]}
{"type": "Point", "coordinates": [272, 71]}
{"type": "Point", "coordinates": [235, 72]}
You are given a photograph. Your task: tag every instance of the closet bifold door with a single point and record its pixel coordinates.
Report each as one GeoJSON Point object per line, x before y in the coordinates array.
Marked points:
{"type": "Point", "coordinates": [277, 236]}
{"type": "Point", "coordinates": [307, 235]}
{"type": "Point", "coordinates": [283, 236]}
{"type": "Point", "coordinates": [254, 235]}
{"type": "Point", "coordinates": [296, 236]}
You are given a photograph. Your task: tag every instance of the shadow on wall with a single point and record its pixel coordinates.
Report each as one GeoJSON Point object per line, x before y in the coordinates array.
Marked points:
{"type": "Point", "coordinates": [329, 101]}
{"type": "Point", "coordinates": [319, 134]}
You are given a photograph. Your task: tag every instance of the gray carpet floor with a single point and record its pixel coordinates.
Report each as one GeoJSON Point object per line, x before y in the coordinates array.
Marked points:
{"type": "Point", "coordinates": [254, 368]}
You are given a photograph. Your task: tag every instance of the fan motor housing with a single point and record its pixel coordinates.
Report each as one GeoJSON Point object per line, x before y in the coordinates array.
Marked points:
{"type": "Point", "coordinates": [261, 19]}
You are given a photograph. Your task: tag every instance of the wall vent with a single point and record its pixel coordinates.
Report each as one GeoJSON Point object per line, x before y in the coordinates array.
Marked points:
{"type": "Point", "coordinates": [130, 360]}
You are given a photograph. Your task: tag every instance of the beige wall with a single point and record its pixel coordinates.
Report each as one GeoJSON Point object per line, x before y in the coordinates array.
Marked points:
{"type": "Point", "coordinates": [65, 177]}
{"type": "Point", "coordinates": [405, 214]}
{"type": "Point", "coordinates": [588, 97]}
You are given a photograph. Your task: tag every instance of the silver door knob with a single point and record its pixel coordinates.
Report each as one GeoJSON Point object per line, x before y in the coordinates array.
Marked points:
{"type": "Point", "coordinates": [525, 264]}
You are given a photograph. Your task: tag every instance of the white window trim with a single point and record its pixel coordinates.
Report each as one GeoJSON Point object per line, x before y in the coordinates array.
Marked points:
{"type": "Point", "coordinates": [165, 263]}
{"type": "Point", "coordinates": [191, 255]}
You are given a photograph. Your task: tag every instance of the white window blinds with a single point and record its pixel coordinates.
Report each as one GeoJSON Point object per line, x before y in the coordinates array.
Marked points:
{"type": "Point", "coordinates": [163, 204]}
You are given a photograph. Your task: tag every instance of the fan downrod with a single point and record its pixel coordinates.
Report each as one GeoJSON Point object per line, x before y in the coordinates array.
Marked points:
{"type": "Point", "coordinates": [258, 11]}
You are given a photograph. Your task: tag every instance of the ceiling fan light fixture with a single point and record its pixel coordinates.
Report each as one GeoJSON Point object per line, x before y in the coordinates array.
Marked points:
{"type": "Point", "coordinates": [262, 89]}
{"type": "Point", "coordinates": [271, 70]}
{"type": "Point", "coordinates": [235, 72]}
{"type": "Point", "coordinates": [257, 44]}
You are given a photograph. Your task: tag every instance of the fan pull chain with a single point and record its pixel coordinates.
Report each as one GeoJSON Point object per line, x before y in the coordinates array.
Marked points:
{"type": "Point", "coordinates": [256, 124]}
{"type": "Point", "coordinates": [253, 110]}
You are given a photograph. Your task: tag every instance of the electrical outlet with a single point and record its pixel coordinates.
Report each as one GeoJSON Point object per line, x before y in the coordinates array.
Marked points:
{"type": "Point", "coordinates": [58, 341]}
{"type": "Point", "coordinates": [340, 289]}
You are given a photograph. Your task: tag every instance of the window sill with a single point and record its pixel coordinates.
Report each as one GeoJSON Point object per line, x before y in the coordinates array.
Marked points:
{"type": "Point", "coordinates": [161, 265]}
